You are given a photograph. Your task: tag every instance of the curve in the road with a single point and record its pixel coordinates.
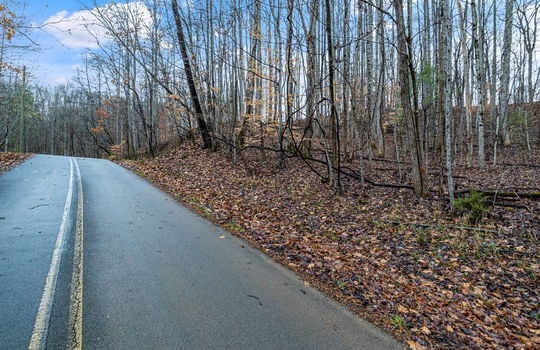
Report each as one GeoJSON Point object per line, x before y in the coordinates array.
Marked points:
{"type": "Point", "coordinates": [155, 274]}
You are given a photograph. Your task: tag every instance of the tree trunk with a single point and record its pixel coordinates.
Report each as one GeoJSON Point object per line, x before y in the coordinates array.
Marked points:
{"type": "Point", "coordinates": [478, 40]}
{"type": "Point", "coordinates": [253, 70]}
{"type": "Point", "coordinates": [446, 60]}
{"type": "Point", "coordinates": [203, 127]}
{"type": "Point", "coordinates": [336, 147]}
{"type": "Point", "coordinates": [494, 109]}
{"type": "Point", "coordinates": [502, 126]}
{"type": "Point", "coordinates": [466, 82]}
{"type": "Point", "coordinates": [311, 78]}
{"type": "Point", "coordinates": [346, 77]}
{"type": "Point", "coordinates": [410, 109]}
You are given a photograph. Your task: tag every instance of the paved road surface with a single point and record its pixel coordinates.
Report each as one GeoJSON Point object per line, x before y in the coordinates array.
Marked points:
{"type": "Point", "coordinates": [155, 276]}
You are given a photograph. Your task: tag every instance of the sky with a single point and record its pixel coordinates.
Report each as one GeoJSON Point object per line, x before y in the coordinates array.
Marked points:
{"type": "Point", "coordinates": [63, 43]}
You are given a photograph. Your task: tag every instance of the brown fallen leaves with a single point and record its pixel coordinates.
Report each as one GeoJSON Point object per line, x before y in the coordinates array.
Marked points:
{"type": "Point", "coordinates": [432, 287]}
{"type": "Point", "coordinates": [9, 160]}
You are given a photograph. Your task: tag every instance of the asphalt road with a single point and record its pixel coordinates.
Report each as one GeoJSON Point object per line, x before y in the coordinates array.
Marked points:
{"type": "Point", "coordinates": [154, 275]}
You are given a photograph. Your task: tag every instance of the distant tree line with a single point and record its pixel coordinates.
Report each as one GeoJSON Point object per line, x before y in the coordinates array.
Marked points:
{"type": "Point", "coordinates": [429, 83]}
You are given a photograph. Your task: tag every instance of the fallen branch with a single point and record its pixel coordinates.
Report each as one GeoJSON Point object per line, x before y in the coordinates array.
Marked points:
{"type": "Point", "coordinates": [376, 159]}
{"type": "Point", "coordinates": [386, 169]}
{"type": "Point", "coordinates": [512, 205]}
{"type": "Point", "coordinates": [343, 170]}
{"type": "Point", "coordinates": [350, 173]}
{"type": "Point", "coordinates": [533, 195]}
{"type": "Point", "coordinates": [397, 223]}
{"type": "Point", "coordinates": [527, 165]}
{"type": "Point", "coordinates": [513, 194]}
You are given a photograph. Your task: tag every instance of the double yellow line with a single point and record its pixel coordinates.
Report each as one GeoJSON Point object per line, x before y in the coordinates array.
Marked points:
{"type": "Point", "coordinates": [76, 297]}
{"type": "Point", "coordinates": [38, 339]}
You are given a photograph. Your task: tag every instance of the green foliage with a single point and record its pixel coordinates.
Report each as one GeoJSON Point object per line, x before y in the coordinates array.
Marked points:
{"type": "Point", "coordinates": [234, 226]}
{"type": "Point", "coordinates": [342, 284]}
{"type": "Point", "coordinates": [193, 200]}
{"type": "Point", "coordinates": [398, 322]}
{"type": "Point", "coordinates": [427, 75]}
{"type": "Point", "coordinates": [206, 211]}
{"type": "Point", "coordinates": [518, 119]}
{"type": "Point", "coordinates": [294, 151]}
{"type": "Point", "coordinates": [489, 249]}
{"type": "Point", "coordinates": [422, 236]}
{"type": "Point", "coordinates": [474, 206]}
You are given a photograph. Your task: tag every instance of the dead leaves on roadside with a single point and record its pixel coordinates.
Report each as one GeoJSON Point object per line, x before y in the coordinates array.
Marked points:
{"type": "Point", "coordinates": [433, 287]}
{"type": "Point", "coordinates": [9, 160]}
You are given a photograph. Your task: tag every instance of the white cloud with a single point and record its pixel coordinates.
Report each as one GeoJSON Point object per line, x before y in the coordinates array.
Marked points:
{"type": "Point", "coordinates": [87, 28]}
{"type": "Point", "coordinates": [76, 30]}
{"type": "Point", "coordinates": [69, 36]}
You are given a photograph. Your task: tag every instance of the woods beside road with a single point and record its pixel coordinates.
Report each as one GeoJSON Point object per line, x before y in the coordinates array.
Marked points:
{"type": "Point", "coordinates": [92, 256]}
{"type": "Point", "coordinates": [431, 278]}
{"type": "Point", "coordinates": [386, 151]}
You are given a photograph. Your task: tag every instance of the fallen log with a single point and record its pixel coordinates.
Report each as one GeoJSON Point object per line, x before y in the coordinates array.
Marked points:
{"type": "Point", "coordinates": [468, 228]}
{"type": "Point", "coordinates": [505, 193]}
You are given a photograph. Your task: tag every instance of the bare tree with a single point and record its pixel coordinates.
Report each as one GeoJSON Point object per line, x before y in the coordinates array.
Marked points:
{"type": "Point", "coordinates": [467, 107]}
{"type": "Point", "coordinates": [528, 17]}
{"type": "Point", "coordinates": [409, 100]}
{"type": "Point", "coordinates": [446, 60]}
{"type": "Point", "coordinates": [501, 127]}
{"type": "Point", "coordinates": [197, 108]}
{"type": "Point", "coordinates": [478, 42]}
{"type": "Point", "coordinates": [334, 117]}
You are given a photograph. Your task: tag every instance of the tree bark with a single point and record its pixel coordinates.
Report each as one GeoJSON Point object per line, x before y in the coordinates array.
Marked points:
{"type": "Point", "coordinates": [478, 40]}
{"type": "Point", "coordinates": [253, 71]}
{"type": "Point", "coordinates": [311, 78]}
{"type": "Point", "coordinates": [378, 109]}
{"type": "Point", "coordinates": [446, 51]}
{"type": "Point", "coordinates": [407, 93]}
{"type": "Point", "coordinates": [466, 82]}
{"type": "Point", "coordinates": [336, 146]}
{"type": "Point", "coordinates": [203, 127]}
{"type": "Point", "coordinates": [502, 124]}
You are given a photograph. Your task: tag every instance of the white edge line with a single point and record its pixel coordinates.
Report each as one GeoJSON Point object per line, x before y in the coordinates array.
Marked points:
{"type": "Point", "coordinates": [41, 324]}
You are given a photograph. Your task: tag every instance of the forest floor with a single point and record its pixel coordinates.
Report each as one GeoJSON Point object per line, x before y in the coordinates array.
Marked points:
{"type": "Point", "coordinates": [431, 278]}
{"type": "Point", "coordinates": [9, 159]}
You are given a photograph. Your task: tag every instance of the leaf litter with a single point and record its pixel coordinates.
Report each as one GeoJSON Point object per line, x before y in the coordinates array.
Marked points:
{"type": "Point", "coordinates": [434, 285]}
{"type": "Point", "coordinates": [9, 160]}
